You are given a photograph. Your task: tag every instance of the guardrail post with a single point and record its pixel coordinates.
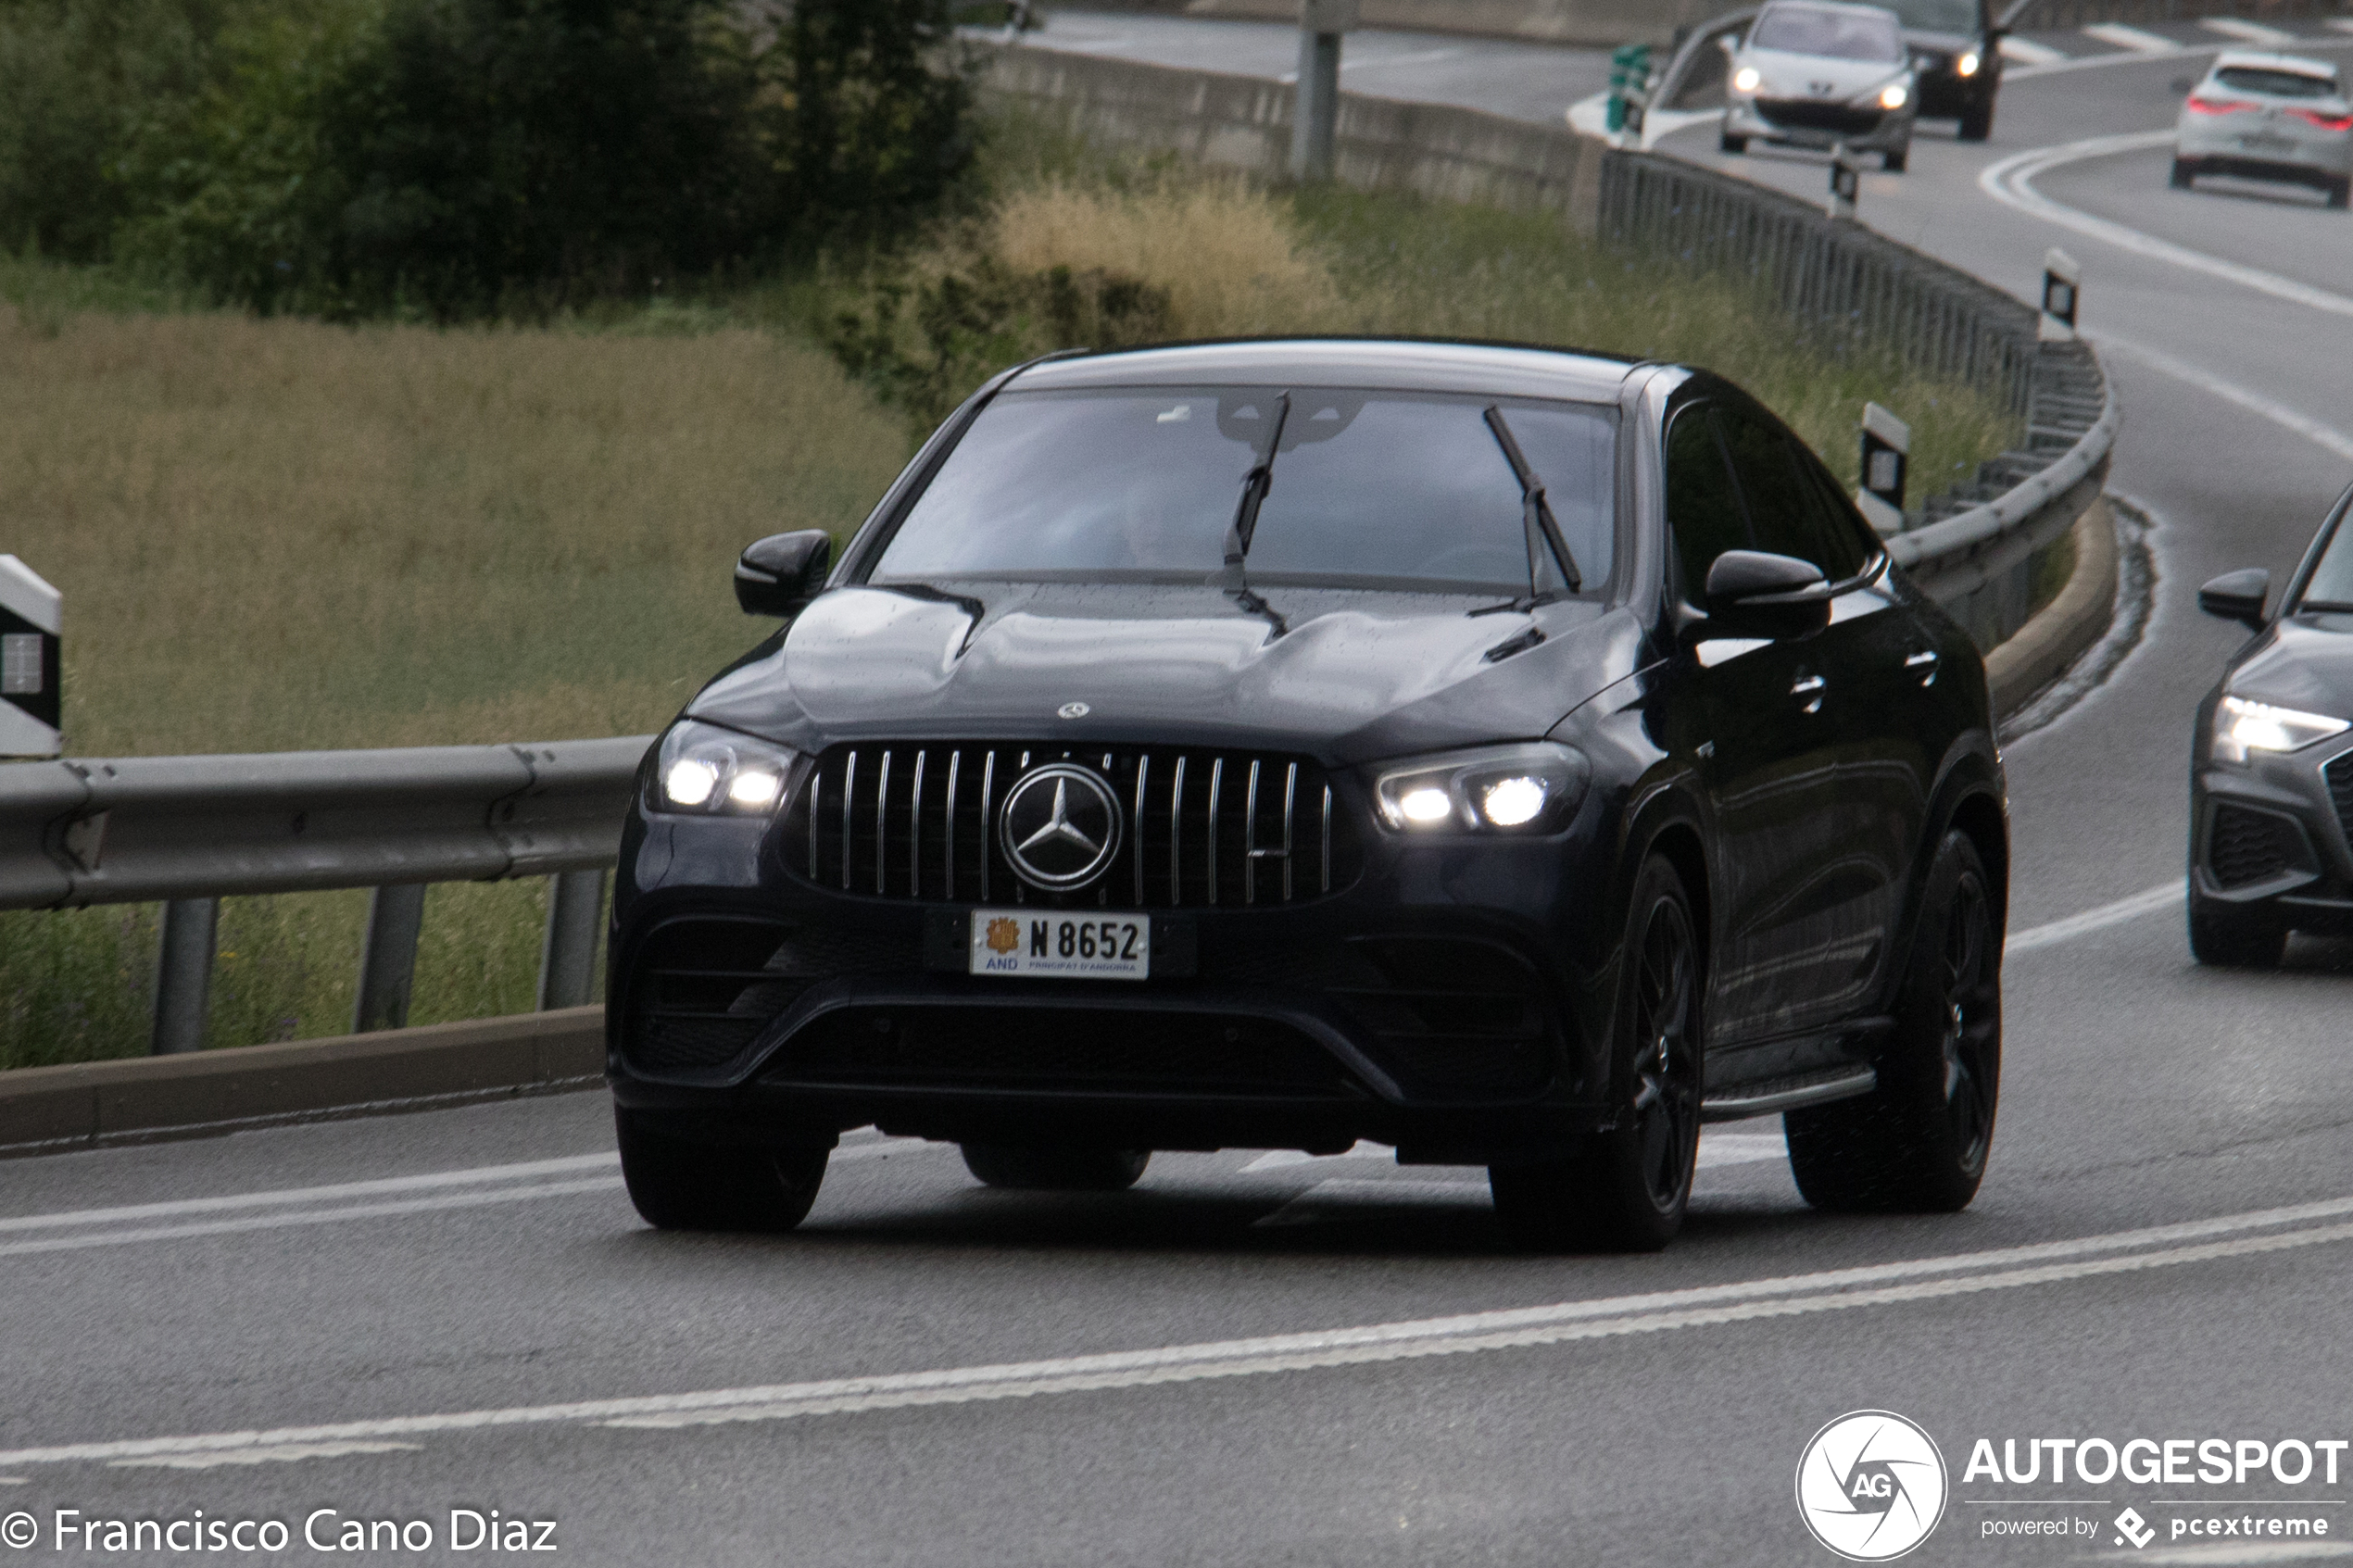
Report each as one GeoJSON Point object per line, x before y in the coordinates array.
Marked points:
{"type": "Point", "coordinates": [1846, 181]}
{"type": "Point", "coordinates": [2062, 280]}
{"type": "Point", "coordinates": [568, 958]}
{"type": "Point", "coordinates": [1315, 119]}
{"type": "Point", "coordinates": [183, 973]}
{"type": "Point", "coordinates": [388, 961]}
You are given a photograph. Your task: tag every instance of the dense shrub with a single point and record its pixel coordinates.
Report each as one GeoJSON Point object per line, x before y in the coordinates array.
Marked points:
{"type": "Point", "coordinates": [459, 157]}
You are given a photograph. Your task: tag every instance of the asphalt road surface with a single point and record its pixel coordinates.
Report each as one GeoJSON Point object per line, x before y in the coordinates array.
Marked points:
{"type": "Point", "coordinates": [1257, 1359]}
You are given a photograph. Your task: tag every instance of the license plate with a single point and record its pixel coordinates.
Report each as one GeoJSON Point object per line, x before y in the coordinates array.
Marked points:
{"type": "Point", "coordinates": [1061, 947]}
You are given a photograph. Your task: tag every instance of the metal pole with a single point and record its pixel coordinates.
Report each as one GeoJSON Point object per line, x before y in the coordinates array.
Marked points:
{"type": "Point", "coordinates": [388, 961]}
{"type": "Point", "coordinates": [568, 958]}
{"type": "Point", "coordinates": [1318, 116]}
{"type": "Point", "coordinates": [183, 973]}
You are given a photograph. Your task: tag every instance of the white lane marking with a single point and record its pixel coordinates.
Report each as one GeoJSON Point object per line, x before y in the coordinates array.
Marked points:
{"type": "Point", "coordinates": [2246, 31]}
{"type": "Point", "coordinates": [2132, 37]}
{"type": "Point", "coordinates": [481, 1175]}
{"type": "Point", "coordinates": [2148, 901]}
{"type": "Point", "coordinates": [2342, 24]}
{"type": "Point", "coordinates": [2011, 183]}
{"type": "Point", "coordinates": [1354, 63]}
{"type": "Point", "coordinates": [2232, 1236]}
{"type": "Point", "coordinates": [1280, 1158]}
{"type": "Point", "coordinates": [2328, 437]}
{"type": "Point", "coordinates": [280, 1453]}
{"type": "Point", "coordinates": [311, 1216]}
{"type": "Point", "coordinates": [2026, 52]}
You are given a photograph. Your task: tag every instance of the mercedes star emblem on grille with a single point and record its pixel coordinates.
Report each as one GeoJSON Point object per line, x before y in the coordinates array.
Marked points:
{"type": "Point", "coordinates": [1060, 827]}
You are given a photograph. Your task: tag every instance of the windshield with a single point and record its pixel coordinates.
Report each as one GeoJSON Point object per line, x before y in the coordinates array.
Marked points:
{"type": "Point", "coordinates": [2276, 83]}
{"type": "Point", "coordinates": [2331, 584]}
{"type": "Point", "coordinates": [1840, 34]}
{"type": "Point", "coordinates": [1936, 16]}
{"type": "Point", "coordinates": [1373, 489]}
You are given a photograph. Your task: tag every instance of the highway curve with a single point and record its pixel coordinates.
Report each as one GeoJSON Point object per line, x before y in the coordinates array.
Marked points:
{"type": "Point", "coordinates": [394, 1318]}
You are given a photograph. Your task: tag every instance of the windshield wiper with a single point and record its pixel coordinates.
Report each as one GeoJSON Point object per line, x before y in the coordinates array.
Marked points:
{"type": "Point", "coordinates": [2327, 606]}
{"type": "Point", "coordinates": [1233, 577]}
{"type": "Point", "coordinates": [1537, 522]}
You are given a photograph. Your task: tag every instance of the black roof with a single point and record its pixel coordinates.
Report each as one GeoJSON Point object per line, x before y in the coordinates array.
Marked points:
{"type": "Point", "coordinates": [1401, 364]}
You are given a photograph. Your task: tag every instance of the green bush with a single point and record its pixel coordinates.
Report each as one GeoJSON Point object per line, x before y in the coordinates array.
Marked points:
{"type": "Point", "coordinates": [452, 158]}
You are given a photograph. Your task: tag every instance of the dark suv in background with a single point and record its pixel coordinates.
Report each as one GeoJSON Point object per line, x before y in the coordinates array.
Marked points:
{"type": "Point", "coordinates": [1956, 59]}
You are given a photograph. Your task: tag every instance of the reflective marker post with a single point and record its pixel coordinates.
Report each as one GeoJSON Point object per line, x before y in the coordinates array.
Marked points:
{"type": "Point", "coordinates": [1317, 121]}
{"type": "Point", "coordinates": [30, 690]}
{"type": "Point", "coordinates": [1887, 446]}
{"type": "Point", "coordinates": [2062, 278]}
{"type": "Point", "coordinates": [1846, 181]}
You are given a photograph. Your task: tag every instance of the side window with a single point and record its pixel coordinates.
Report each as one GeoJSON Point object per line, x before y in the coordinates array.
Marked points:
{"type": "Point", "coordinates": [1846, 543]}
{"type": "Point", "coordinates": [1703, 508]}
{"type": "Point", "coordinates": [1781, 509]}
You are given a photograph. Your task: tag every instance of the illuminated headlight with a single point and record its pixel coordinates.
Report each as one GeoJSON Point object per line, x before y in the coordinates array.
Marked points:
{"type": "Point", "coordinates": [710, 772]}
{"type": "Point", "coordinates": [1531, 787]}
{"type": "Point", "coordinates": [1748, 78]}
{"type": "Point", "coordinates": [1967, 65]}
{"type": "Point", "coordinates": [1895, 95]}
{"type": "Point", "coordinates": [2241, 726]}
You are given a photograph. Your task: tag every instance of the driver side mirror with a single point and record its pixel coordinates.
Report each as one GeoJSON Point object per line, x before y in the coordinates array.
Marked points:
{"type": "Point", "coordinates": [2237, 595]}
{"type": "Point", "coordinates": [1730, 43]}
{"type": "Point", "coordinates": [1757, 593]}
{"type": "Point", "coordinates": [781, 574]}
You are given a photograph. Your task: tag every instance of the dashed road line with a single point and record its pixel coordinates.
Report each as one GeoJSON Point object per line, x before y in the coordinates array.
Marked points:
{"type": "Point", "coordinates": [2164, 896]}
{"type": "Point", "coordinates": [2249, 32]}
{"type": "Point", "coordinates": [2132, 37]}
{"type": "Point", "coordinates": [2083, 1257]}
{"type": "Point", "coordinates": [2026, 52]}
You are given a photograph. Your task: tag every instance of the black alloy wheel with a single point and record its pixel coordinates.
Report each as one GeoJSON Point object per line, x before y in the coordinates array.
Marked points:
{"type": "Point", "coordinates": [2231, 936]}
{"type": "Point", "coordinates": [683, 1185]}
{"type": "Point", "coordinates": [1918, 1142]}
{"type": "Point", "coordinates": [1056, 1168]}
{"type": "Point", "coordinates": [1627, 1189]}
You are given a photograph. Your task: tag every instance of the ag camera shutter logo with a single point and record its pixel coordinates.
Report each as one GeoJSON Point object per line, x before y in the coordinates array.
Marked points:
{"type": "Point", "coordinates": [1871, 1486]}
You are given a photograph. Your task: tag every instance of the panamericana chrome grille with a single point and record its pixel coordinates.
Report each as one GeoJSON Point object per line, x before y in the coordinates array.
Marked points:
{"type": "Point", "coordinates": [1203, 829]}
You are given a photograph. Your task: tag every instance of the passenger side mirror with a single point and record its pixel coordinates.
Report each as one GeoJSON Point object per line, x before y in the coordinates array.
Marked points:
{"type": "Point", "coordinates": [1757, 593]}
{"type": "Point", "coordinates": [782, 572]}
{"type": "Point", "coordinates": [1730, 43]}
{"type": "Point", "coordinates": [2237, 595]}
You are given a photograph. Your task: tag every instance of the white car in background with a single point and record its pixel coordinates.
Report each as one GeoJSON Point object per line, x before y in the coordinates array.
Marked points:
{"type": "Point", "coordinates": [1812, 73]}
{"type": "Point", "coordinates": [2262, 115]}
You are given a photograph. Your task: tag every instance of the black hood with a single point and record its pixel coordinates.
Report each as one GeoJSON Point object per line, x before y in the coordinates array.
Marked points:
{"type": "Point", "coordinates": [2306, 663]}
{"type": "Point", "coordinates": [1349, 676]}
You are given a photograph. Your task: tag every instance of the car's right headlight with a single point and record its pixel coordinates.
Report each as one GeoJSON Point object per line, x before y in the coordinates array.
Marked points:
{"type": "Point", "coordinates": [2242, 726]}
{"type": "Point", "coordinates": [1748, 78]}
{"type": "Point", "coordinates": [705, 770]}
{"type": "Point", "coordinates": [1533, 786]}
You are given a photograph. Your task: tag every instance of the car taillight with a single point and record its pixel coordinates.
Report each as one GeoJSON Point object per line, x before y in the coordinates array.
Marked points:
{"type": "Point", "coordinates": [2216, 105]}
{"type": "Point", "coordinates": [2326, 121]}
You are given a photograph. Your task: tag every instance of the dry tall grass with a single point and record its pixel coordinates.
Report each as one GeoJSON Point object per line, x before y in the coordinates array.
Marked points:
{"type": "Point", "coordinates": [275, 534]}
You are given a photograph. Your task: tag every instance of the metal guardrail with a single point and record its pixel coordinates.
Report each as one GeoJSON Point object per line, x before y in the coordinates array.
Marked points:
{"type": "Point", "coordinates": [187, 831]}
{"type": "Point", "coordinates": [1971, 550]}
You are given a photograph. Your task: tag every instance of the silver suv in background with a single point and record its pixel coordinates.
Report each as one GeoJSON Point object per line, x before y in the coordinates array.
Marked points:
{"type": "Point", "coordinates": [1814, 74]}
{"type": "Point", "coordinates": [2262, 115]}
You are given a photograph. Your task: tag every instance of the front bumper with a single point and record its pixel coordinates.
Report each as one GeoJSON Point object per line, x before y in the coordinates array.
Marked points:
{"type": "Point", "coordinates": [2277, 833]}
{"type": "Point", "coordinates": [1449, 1003]}
{"type": "Point", "coordinates": [1799, 123]}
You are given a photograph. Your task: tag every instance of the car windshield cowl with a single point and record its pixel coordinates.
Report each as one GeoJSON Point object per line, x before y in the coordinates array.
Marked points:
{"type": "Point", "coordinates": [1310, 486]}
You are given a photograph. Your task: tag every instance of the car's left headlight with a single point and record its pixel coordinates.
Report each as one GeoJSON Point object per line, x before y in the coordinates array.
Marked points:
{"type": "Point", "coordinates": [705, 770]}
{"type": "Point", "coordinates": [1895, 95]}
{"type": "Point", "coordinates": [1967, 65]}
{"type": "Point", "coordinates": [1531, 786]}
{"type": "Point", "coordinates": [1748, 78]}
{"type": "Point", "coordinates": [2242, 726]}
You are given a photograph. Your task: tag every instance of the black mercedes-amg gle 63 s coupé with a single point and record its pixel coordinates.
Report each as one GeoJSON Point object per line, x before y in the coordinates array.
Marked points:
{"type": "Point", "coordinates": [1514, 757]}
{"type": "Point", "coordinates": [2271, 762]}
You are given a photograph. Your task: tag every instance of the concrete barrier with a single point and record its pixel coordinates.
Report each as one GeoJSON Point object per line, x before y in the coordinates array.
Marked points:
{"type": "Point", "coordinates": [1243, 122]}
{"type": "Point", "coordinates": [80, 1105]}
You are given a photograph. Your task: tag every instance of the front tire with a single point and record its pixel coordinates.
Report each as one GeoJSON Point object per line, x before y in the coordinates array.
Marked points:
{"type": "Point", "coordinates": [2340, 194]}
{"type": "Point", "coordinates": [683, 1184]}
{"type": "Point", "coordinates": [1727, 142]}
{"type": "Point", "coordinates": [1894, 163]}
{"type": "Point", "coordinates": [1918, 1143]}
{"type": "Point", "coordinates": [2226, 936]}
{"type": "Point", "coordinates": [1977, 122]}
{"type": "Point", "coordinates": [1627, 1189]}
{"type": "Point", "coordinates": [1056, 1168]}
{"type": "Point", "coordinates": [2184, 172]}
